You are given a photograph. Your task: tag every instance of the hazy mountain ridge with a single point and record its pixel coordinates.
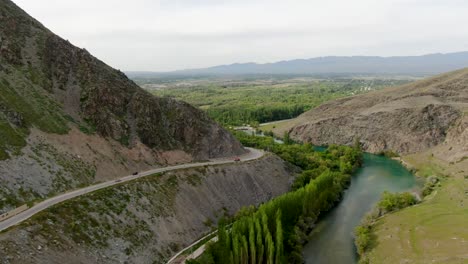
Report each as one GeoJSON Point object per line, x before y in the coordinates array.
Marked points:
{"type": "Point", "coordinates": [365, 65]}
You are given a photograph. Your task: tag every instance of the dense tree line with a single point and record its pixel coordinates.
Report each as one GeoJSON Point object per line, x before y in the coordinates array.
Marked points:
{"type": "Point", "coordinates": [305, 156]}
{"type": "Point", "coordinates": [247, 115]}
{"type": "Point", "coordinates": [276, 231]}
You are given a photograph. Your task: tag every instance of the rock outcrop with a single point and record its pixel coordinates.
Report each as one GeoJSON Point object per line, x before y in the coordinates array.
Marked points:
{"type": "Point", "coordinates": [405, 119]}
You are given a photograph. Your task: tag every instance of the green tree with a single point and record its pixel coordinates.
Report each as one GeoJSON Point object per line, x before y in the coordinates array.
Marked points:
{"type": "Point", "coordinates": [270, 252]}
{"type": "Point", "coordinates": [259, 241]}
{"type": "Point", "coordinates": [252, 242]}
{"type": "Point", "coordinates": [286, 138]}
{"type": "Point", "coordinates": [235, 248]}
{"type": "Point", "coordinates": [244, 251]}
{"type": "Point", "coordinates": [279, 238]}
{"type": "Point", "coordinates": [223, 245]}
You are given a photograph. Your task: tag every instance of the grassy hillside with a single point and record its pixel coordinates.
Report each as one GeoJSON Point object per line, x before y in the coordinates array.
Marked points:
{"type": "Point", "coordinates": [434, 231]}
{"type": "Point", "coordinates": [23, 106]}
{"type": "Point", "coordinates": [25, 101]}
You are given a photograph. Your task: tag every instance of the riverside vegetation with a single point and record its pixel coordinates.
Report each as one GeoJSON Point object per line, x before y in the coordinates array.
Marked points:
{"type": "Point", "coordinates": [276, 230]}
{"type": "Point", "coordinates": [390, 202]}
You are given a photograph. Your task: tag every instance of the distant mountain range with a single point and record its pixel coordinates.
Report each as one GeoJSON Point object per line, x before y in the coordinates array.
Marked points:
{"type": "Point", "coordinates": [407, 65]}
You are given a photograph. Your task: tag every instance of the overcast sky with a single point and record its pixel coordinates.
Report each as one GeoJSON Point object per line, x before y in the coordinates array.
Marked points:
{"type": "Point", "coordinates": [167, 35]}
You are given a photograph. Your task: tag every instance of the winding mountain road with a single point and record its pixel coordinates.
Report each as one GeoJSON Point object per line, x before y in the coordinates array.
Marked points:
{"type": "Point", "coordinates": [252, 154]}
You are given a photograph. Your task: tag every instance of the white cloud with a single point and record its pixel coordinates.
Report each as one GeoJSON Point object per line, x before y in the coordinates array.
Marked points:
{"type": "Point", "coordinates": [173, 34]}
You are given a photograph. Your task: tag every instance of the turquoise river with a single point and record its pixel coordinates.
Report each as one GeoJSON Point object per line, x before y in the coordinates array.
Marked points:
{"type": "Point", "coordinates": [332, 239]}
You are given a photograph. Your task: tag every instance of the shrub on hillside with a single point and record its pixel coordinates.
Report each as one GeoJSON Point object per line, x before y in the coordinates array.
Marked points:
{"type": "Point", "coordinates": [395, 201]}
{"type": "Point", "coordinates": [363, 234]}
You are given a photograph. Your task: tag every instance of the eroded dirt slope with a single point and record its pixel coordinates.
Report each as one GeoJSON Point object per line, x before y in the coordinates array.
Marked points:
{"type": "Point", "coordinates": [145, 221]}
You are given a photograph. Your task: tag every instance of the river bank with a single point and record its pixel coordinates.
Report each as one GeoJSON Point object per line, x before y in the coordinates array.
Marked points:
{"type": "Point", "coordinates": [332, 239]}
{"type": "Point", "coordinates": [405, 164]}
{"type": "Point", "coordinates": [434, 231]}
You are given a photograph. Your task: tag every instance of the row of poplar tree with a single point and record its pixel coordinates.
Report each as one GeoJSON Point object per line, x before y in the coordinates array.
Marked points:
{"type": "Point", "coordinates": [275, 232]}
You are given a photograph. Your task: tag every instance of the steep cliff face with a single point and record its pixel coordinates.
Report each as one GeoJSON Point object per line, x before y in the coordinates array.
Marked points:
{"type": "Point", "coordinates": [457, 140]}
{"type": "Point", "coordinates": [147, 220]}
{"type": "Point", "coordinates": [404, 119]}
{"type": "Point", "coordinates": [57, 100]}
{"type": "Point", "coordinates": [452, 154]}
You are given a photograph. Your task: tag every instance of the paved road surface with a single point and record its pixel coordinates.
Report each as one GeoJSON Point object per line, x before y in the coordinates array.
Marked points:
{"type": "Point", "coordinates": [199, 251]}
{"type": "Point", "coordinates": [179, 259]}
{"type": "Point", "coordinates": [176, 260]}
{"type": "Point", "coordinates": [14, 220]}
{"type": "Point", "coordinates": [275, 122]}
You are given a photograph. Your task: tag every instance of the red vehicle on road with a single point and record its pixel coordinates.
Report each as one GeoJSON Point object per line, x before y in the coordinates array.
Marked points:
{"type": "Point", "coordinates": [236, 159]}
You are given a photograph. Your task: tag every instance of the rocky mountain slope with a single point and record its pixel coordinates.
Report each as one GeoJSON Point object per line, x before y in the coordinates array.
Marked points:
{"type": "Point", "coordinates": [406, 119]}
{"type": "Point", "coordinates": [67, 119]}
{"type": "Point", "coordinates": [144, 221]}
